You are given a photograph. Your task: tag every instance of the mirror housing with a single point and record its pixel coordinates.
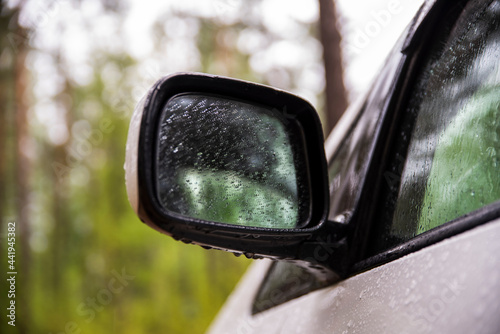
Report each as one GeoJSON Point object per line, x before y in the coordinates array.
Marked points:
{"type": "Point", "coordinates": [312, 241]}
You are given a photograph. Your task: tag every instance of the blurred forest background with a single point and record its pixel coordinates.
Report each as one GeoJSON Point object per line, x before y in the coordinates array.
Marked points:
{"type": "Point", "coordinates": [70, 75]}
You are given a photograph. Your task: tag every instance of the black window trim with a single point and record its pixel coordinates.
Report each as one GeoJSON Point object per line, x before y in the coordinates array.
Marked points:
{"type": "Point", "coordinates": [449, 229]}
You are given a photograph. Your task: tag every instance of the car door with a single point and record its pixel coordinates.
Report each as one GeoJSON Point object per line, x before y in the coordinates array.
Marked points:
{"type": "Point", "coordinates": [414, 173]}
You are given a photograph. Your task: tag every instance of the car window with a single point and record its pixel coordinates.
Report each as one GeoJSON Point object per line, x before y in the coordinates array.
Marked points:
{"type": "Point", "coordinates": [453, 116]}
{"type": "Point", "coordinates": [348, 166]}
{"type": "Point", "coordinates": [284, 281]}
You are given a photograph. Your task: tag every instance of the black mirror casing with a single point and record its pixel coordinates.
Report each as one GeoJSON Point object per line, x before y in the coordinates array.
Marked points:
{"type": "Point", "coordinates": [299, 244]}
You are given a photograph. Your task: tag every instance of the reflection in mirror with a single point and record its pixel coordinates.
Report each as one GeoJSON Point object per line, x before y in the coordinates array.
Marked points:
{"type": "Point", "coordinates": [227, 161]}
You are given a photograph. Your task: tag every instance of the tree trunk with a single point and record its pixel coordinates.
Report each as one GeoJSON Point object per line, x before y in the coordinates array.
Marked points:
{"type": "Point", "coordinates": [22, 180]}
{"type": "Point", "coordinates": [335, 96]}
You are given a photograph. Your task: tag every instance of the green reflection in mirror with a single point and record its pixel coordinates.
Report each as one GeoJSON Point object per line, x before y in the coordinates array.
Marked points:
{"type": "Point", "coordinates": [226, 161]}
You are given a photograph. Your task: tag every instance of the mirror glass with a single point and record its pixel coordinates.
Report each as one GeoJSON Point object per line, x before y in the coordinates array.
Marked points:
{"type": "Point", "coordinates": [229, 161]}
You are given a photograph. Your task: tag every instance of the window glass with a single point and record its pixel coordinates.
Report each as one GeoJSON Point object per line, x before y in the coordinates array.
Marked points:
{"type": "Point", "coordinates": [452, 160]}
{"type": "Point", "coordinates": [347, 167]}
{"type": "Point", "coordinates": [284, 281]}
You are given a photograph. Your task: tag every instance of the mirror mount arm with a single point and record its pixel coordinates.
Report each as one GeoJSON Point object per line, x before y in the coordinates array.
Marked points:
{"type": "Point", "coordinates": [326, 254]}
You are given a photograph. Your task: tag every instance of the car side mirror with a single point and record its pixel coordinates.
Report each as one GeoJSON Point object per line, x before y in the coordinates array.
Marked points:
{"type": "Point", "coordinates": [236, 166]}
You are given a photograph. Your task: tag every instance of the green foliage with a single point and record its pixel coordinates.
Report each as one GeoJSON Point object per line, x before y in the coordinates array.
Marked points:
{"type": "Point", "coordinates": [465, 164]}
